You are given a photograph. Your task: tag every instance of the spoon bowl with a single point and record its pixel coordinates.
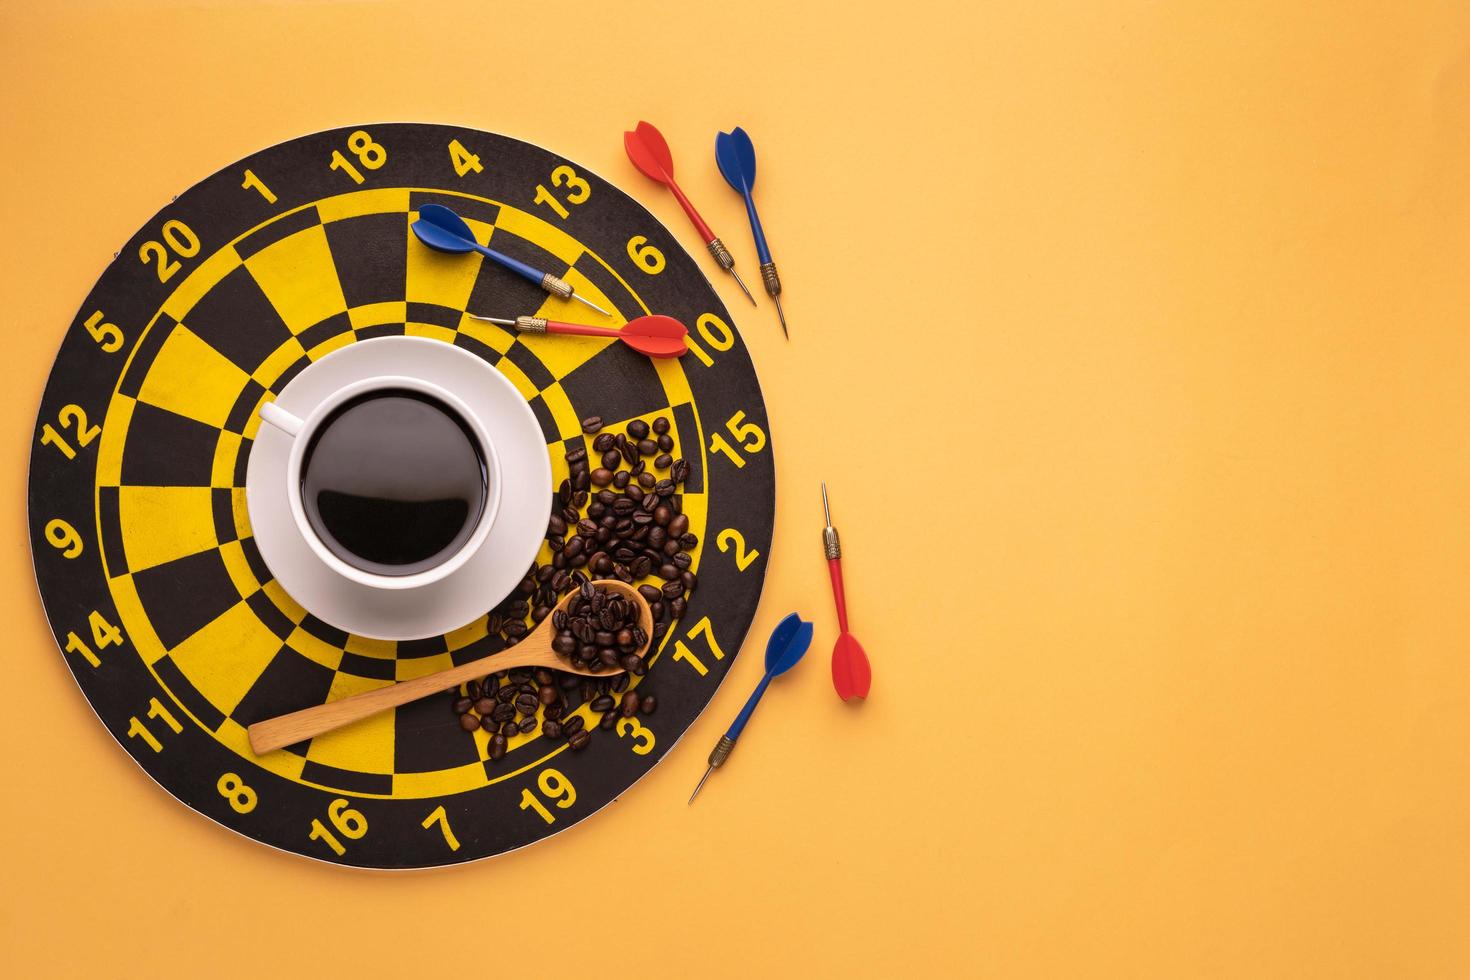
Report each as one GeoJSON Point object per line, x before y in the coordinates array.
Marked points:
{"type": "Point", "coordinates": [534, 650]}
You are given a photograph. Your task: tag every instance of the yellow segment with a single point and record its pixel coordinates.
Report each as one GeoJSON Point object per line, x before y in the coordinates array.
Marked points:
{"type": "Point", "coordinates": [270, 369]}
{"type": "Point", "coordinates": [517, 377]}
{"type": "Point", "coordinates": [135, 623]}
{"type": "Point", "coordinates": [549, 237]}
{"type": "Point", "coordinates": [358, 203]}
{"type": "Point", "coordinates": [445, 782]}
{"type": "Point", "coordinates": [408, 669]}
{"type": "Point", "coordinates": [367, 647]}
{"type": "Point", "coordinates": [298, 276]}
{"type": "Point", "coordinates": [315, 649]}
{"type": "Point", "coordinates": [238, 568]}
{"type": "Point", "coordinates": [562, 412]}
{"type": "Point", "coordinates": [375, 313]}
{"type": "Point", "coordinates": [430, 330]}
{"type": "Point", "coordinates": [234, 736]}
{"type": "Point", "coordinates": [327, 346]}
{"type": "Point", "coordinates": [434, 277]}
{"type": "Point", "coordinates": [562, 354]}
{"type": "Point", "coordinates": [240, 512]}
{"type": "Point", "coordinates": [465, 635]}
{"type": "Point", "coordinates": [224, 658]}
{"type": "Point", "coordinates": [114, 437]}
{"type": "Point", "coordinates": [160, 524]}
{"type": "Point", "coordinates": [190, 378]}
{"type": "Point", "coordinates": [204, 278]}
{"type": "Point", "coordinates": [287, 605]}
{"type": "Point", "coordinates": [363, 746]}
{"type": "Point", "coordinates": [226, 454]}
{"type": "Point", "coordinates": [487, 333]}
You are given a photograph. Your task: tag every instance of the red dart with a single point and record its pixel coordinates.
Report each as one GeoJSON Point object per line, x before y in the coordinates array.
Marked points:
{"type": "Point", "coordinates": [851, 673]}
{"type": "Point", "coordinates": [649, 152]}
{"type": "Point", "coordinates": [655, 336]}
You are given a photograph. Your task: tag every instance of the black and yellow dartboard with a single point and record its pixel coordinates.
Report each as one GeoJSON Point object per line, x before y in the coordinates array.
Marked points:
{"type": "Point", "coordinates": [172, 623]}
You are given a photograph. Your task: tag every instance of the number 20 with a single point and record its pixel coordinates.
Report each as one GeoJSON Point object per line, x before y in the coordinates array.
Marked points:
{"type": "Point", "coordinates": [177, 236]}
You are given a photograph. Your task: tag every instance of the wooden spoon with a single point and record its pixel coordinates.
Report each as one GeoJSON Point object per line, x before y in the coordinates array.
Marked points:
{"type": "Point", "coordinates": [533, 650]}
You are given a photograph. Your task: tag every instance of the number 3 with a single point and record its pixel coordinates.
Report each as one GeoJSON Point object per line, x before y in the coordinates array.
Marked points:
{"type": "Point", "coordinates": [632, 726]}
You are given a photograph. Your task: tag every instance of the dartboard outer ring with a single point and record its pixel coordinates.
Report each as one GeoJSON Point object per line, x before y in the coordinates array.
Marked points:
{"type": "Point", "coordinates": [168, 619]}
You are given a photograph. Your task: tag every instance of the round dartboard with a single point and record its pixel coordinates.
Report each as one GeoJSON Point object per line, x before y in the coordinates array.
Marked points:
{"type": "Point", "coordinates": [171, 622]}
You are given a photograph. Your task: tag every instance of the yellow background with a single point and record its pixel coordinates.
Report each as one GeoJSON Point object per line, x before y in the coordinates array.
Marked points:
{"type": "Point", "coordinates": [1131, 338]}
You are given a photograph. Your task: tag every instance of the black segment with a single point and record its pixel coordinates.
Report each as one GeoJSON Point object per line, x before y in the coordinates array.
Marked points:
{"type": "Point", "coordinates": [110, 520]}
{"type": "Point", "coordinates": [236, 319]}
{"type": "Point", "coordinates": [477, 347]}
{"type": "Point", "coordinates": [522, 357]}
{"type": "Point", "coordinates": [244, 407]}
{"type": "Point", "coordinates": [596, 273]}
{"type": "Point", "coordinates": [371, 256]}
{"type": "Point", "coordinates": [351, 782]}
{"type": "Point", "coordinates": [223, 509]}
{"type": "Point", "coordinates": [466, 207]}
{"type": "Point", "coordinates": [184, 595]}
{"type": "Point", "coordinates": [317, 333]}
{"type": "Point", "coordinates": [289, 683]}
{"type": "Point", "coordinates": [544, 419]}
{"type": "Point", "coordinates": [257, 564]}
{"type": "Point", "coordinates": [429, 647]}
{"type": "Point", "coordinates": [167, 450]}
{"type": "Point", "coordinates": [359, 666]}
{"type": "Point", "coordinates": [269, 615]}
{"type": "Point", "coordinates": [615, 383]}
{"type": "Point", "coordinates": [427, 738]}
{"type": "Point", "coordinates": [689, 444]}
{"type": "Point", "coordinates": [381, 330]}
{"type": "Point", "coordinates": [325, 632]}
{"type": "Point", "coordinates": [442, 316]}
{"type": "Point", "coordinates": [146, 354]}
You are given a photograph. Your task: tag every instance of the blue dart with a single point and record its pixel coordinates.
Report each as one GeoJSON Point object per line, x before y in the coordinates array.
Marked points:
{"type": "Point", "coordinates": [736, 156]}
{"type": "Point", "coordinates": [444, 231]}
{"type": "Point", "coordinates": [785, 648]}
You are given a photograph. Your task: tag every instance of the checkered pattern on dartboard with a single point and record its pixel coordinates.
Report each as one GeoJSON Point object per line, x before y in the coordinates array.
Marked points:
{"type": "Point", "coordinates": [189, 581]}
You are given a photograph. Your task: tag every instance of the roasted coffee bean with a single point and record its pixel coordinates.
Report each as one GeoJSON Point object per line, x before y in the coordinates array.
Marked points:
{"type": "Point", "coordinates": [473, 689]}
{"type": "Point", "coordinates": [546, 694]}
{"type": "Point", "coordinates": [662, 461]}
{"type": "Point", "coordinates": [577, 455]}
{"type": "Point", "coordinates": [485, 705]}
{"type": "Point", "coordinates": [629, 706]}
{"type": "Point", "coordinates": [506, 693]}
{"type": "Point", "coordinates": [572, 725]}
{"type": "Point", "coordinates": [564, 491]}
{"type": "Point", "coordinates": [601, 476]}
{"type": "Point", "coordinates": [569, 514]}
{"type": "Point", "coordinates": [633, 664]}
{"type": "Point", "coordinates": [647, 447]}
{"type": "Point", "coordinates": [647, 480]}
{"type": "Point", "coordinates": [665, 442]}
{"type": "Point", "coordinates": [539, 613]}
{"type": "Point", "coordinates": [660, 628]}
{"type": "Point", "coordinates": [680, 472]}
{"type": "Point", "coordinates": [497, 746]}
{"type": "Point", "coordinates": [468, 721]}
{"type": "Point", "coordinates": [673, 589]}
{"type": "Point", "coordinates": [607, 721]}
{"type": "Point", "coordinates": [554, 710]}
{"type": "Point", "coordinates": [681, 560]}
{"type": "Point", "coordinates": [648, 705]}
{"type": "Point", "coordinates": [559, 620]}
{"type": "Point", "coordinates": [551, 728]}
{"type": "Point", "coordinates": [622, 478]}
{"type": "Point", "coordinates": [689, 579]}
{"type": "Point", "coordinates": [612, 459]}
{"type": "Point", "coordinates": [676, 608]}
{"type": "Point", "coordinates": [504, 711]}
{"type": "Point", "coordinates": [649, 592]}
{"type": "Point", "coordinates": [579, 499]}
{"type": "Point", "coordinates": [637, 429]}
{"type": "Point", "coordinates": [526, 704]}
{"type": "Point", "coordinates": [461, 705]}
{"type": "Point", "coordinates": [668, 571]}
{"type": "Point", "coordinates": [619, 683]}
{"type": "Point", "coordinates": [592, 424]}
{"type": "Point", "coordinates": [489, 724]}
{"type": "Point", "coordinates": [579, 741]}
{"type": "Point", "coordinates": [601, 703]}
{"type": "Point", "coordinates": [660, 425]}
{"type": "Point", "coordinates": [527, 725]}
{"type": "Point", "coordinates": [635, 492]}
{"type": "Point", "coordinates": [509, 728]}
{"type": "Point", "coordinates": [688, 541]}
{"type": "Point", "coordinates": [638, 468]}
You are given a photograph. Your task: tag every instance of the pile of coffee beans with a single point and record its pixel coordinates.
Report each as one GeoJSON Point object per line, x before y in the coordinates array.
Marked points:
{"type": "Point", "coordinates": [599, 630]}
{"type": "Point", "coordinates": [622, 518]}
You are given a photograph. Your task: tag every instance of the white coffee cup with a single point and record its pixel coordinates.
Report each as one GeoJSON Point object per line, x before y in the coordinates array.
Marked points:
{"type": "Point", "coordinates": [301, 431]}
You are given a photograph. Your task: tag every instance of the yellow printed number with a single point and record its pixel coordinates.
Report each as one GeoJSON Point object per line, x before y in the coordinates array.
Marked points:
{"type": "Point", "coordinates": [682, 652]}
{"type": "Point", "coordinates": [643, 736]}
{"type": "Point", "coordinates": [716, 333]}
{"type": "Point", "coordinates": [465, 163]}
{"type": "Point", "coordinates": [252, 181]}
{"type": "Point", "coordinates": [107, 335]}
{"type": "Point", "coordinates": [69, 416]}
{"type": "Point", "coordinates": [178, 238]}
{"type": "Point", "coordinates": [370, 154]}
{"type": "Point", "coordinates": [104, 635]}
{"type": "Point", "coordinates": [242, 798]}
{"type": "Point", "coordinates": [64, 538]}
{"type": "Point", "coordinates": [748, 436]}
{"type": "Point", "coordinates": [578, 190]}
{"type": "Point", "coordinates": [442, 819]}
{"type": "Point", "coordinates": [349, 823]}
{"type": "Point", "coordinates": [137, 728]}
{"type": "Point", "coordinates": [645, 256]}
{"type": "Point", "coordinates": [554, 786]}
{"type": "Point", "coordinates": [731, 538]}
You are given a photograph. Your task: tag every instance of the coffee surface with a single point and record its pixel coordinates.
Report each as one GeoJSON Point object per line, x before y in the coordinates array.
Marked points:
{"type": "Point", "coordinates": [393, 482]}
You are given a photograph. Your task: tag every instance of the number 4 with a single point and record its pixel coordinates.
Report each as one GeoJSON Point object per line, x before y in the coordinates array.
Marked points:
{"type": "Point", "coordinates": [464, 161]}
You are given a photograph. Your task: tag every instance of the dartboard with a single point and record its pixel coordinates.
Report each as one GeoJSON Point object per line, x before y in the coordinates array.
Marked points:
{"type": "Point", "coordinates": [163, 608]}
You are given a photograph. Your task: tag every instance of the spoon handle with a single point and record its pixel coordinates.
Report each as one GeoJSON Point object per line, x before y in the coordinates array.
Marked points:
{"type": "Point", "coordinates": [300, 725]}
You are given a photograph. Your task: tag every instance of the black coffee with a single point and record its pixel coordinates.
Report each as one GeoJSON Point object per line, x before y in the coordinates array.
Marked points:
{"type": "Point", "coordinates": [393, 482]}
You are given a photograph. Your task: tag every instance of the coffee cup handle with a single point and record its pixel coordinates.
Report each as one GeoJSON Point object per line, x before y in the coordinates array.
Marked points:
{"type": "Point", "coordinates": [280, 418]}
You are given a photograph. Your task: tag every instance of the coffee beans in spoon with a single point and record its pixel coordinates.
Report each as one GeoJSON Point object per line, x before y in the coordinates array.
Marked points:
{"type": "Point", "coordinates": [612, 518]}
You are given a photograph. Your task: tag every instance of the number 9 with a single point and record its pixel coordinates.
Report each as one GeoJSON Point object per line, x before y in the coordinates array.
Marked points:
{"type": "Point", "coordinates": [555, 786]}
{"type": "Point", "coordinates": [64, 538]}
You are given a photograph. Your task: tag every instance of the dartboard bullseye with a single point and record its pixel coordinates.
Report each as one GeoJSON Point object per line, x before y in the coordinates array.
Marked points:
{"type": "Point", "coordinates": [173, 624]}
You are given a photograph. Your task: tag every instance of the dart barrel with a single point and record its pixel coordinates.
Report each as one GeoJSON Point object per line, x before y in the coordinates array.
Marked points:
{"type": "Point", "coordinates": [557, 287]}
{"type": "Point", "coordinates": [722, 254]}
{"type": "Point", "coordinates": [721, 752]}
{"type": "Point", "coordinates": [772, 281]}
{"type": "Point", "coordinates": [531, 324]}
{"type": "Point", "coordinates": [831, 545]}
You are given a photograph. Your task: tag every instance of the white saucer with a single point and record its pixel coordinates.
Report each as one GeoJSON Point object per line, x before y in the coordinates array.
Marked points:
{"type": "Point", "coordinates": [488, 576]}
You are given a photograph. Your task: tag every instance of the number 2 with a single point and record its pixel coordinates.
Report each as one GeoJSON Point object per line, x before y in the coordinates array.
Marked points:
{"type": "Point", "coordinates": [731, 538]}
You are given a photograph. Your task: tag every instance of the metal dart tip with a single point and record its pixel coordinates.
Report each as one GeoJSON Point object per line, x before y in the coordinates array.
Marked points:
{"type": "Point", "coordinates": [701, 784]}
{"type": "Point", "coordinates": [500, 321]}
{"type": "Point", "coordinates": [782, 315]}
{"type": "Point", "coordinates": [827, 514]}
{"type": "Point", "coordinates": [588, 302]}
{"type": "Point", "coordinates": [743, 288]}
